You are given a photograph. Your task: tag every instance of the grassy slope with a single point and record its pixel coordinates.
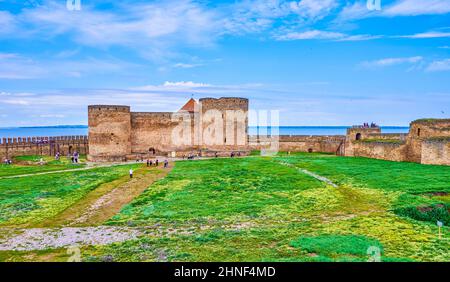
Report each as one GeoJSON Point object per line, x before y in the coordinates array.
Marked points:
{"type": "Point", "coordinates": [50, 165]}
{"type": "Point", "coordinates": [30, 200]}
{"type": "Point", "coordinates": [258, 210]}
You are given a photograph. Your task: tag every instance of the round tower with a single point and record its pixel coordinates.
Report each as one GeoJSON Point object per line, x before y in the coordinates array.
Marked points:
{"type": "Point", "coordinates": [109, 132]}
{"type": "Point", "coordinates": [228, 118]}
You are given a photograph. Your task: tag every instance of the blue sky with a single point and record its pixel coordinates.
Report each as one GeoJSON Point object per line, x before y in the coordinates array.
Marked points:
{"type": "Point", "coordinates": [319, 62]}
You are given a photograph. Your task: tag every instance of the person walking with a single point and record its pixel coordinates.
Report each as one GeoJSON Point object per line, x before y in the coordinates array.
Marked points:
{"type": "Point", "coordinates": [166, 163]}
{"type": "Point", "coordinates": [131, 173]}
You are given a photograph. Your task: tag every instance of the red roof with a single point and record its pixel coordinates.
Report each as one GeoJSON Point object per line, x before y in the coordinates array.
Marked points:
{"type": "Point", "coordinates": [190, 106]}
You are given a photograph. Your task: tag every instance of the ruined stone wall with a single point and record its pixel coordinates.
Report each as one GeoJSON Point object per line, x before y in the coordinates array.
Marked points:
{"type": "Point", "coordinates": [380, 150]}
{"type": "Point", "coordinates": [109, 133]}
{"type": "Point", "coordinates": [421, 130]}
{"type": "Point", "coordinates": [436, 152]}
{"type": "Point", "coordinates": [356, 133]}
{"type": "Point", "coordinates": [387, 136]}
{"type": "Point", "coordinates": [42, 146]}
{"type": "Point", "coordinates": [299, 143]}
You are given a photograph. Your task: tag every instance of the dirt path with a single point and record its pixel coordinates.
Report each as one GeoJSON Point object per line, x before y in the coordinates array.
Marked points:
{"type": "Point", "coordinates": [45, 238]}
{"type": "Point", "coordinates": [108, 199]}
{"type": "Point", "coordinates": [316, 176]}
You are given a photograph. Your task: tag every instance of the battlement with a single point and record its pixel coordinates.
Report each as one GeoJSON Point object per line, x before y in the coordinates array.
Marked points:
{"type": "Point", "coordinates": [118, 108]}
{"type": "Point", "coordinates": [42, 140]}
{"type": "Point", "coordinates": [224, 103]}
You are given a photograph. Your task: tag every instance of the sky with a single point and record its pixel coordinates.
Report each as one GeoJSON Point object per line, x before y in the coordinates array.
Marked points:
{"type": "Point", "coordinates": [317, 62]}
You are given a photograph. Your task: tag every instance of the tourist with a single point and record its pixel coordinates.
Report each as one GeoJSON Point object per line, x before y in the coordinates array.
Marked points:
{"type": "Point", "coordinates": [216, 155]}
{"type": "Point", "coordinates": [131, 173]}
{"type": "Point", "coordinates": [166, 163]}
{"type": "Point", "coordinates": [57, 156]}
{"type": "Point", "coordinates": [157, 162]}
{"type": "Point", "coordinates": [150, 163]}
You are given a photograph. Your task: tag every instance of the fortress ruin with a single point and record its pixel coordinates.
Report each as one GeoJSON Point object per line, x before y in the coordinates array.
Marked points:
{"type": "Point", "coordinates": [118, 134]}
{"type": "Point", "coordinates": [211, 125]}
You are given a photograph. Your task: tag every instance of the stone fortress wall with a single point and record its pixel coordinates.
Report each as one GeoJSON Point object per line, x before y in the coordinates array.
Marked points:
{"type": "Point", "coordinates": [117, 134]}
{"type": "Point", "coordinates": [45, 146]}
{"type": "Point", "coordinates": [428, 142]}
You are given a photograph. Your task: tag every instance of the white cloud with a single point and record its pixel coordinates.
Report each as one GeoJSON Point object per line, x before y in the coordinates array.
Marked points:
{"type": "Point", "coordinates": [186, 84]}
{"type": "Point", "coordinates": [52, 116]}
{"type": "Point", "coordinates": [186, 65]}
{"type": "Point", "coordinates": [312, 34]}
{"type": "Point", "coordinates": [324, 35]}
{"type": "Point", "coordinates": [443, 65]}
{"type": "Point", "coordinates": [150, 28]}
{"type": "Point", "coordinates": [429, 34]}
{"type": "Point", "coordinates": [391, 62]}
{"type": "Point", "coordinates": [313, 8]}
{"type": "Point", "coordinates": [417, 7]}
{"type": "Point", "coordinates": [358, 10]}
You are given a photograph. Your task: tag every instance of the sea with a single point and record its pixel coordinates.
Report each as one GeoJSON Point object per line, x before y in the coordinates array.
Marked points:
{"type": "Point", "coordinates": [66, 130]}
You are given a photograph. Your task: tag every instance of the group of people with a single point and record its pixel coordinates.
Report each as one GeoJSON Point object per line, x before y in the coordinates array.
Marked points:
{"type": "Point", "coordinates": [7, 161]}
{"type": "Point", "coordinates": [371, 125]}
{"type": "Point", "coordinates": [190, 156]}
{"type": "Point", "coordinates": [150, 163]}
{"type": "Point", "coordinates": [156, 163]}
{"type": "Point", "coordinates": [233, 154]}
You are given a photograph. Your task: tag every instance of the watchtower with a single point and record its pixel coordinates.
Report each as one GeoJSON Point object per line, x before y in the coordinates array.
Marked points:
{"type": "Point", "coordinates": [109, 132]}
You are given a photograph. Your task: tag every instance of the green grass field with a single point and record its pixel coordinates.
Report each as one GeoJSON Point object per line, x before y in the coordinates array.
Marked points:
{"type": "Point", "coordinates": [30, 200]}
{"type": "Point", "coordinates": [256, 209]}
{"type": "Point", "coordinates": [30, 164]}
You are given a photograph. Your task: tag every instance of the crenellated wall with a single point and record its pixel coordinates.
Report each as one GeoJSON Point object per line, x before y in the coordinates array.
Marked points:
{"type": "Point", "coordinates": [21, 146]}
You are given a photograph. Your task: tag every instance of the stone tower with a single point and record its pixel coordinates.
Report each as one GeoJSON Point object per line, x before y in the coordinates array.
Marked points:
{"type": "Point", "coordinates": [228, 114]}
{"type": "Point", "coordinates": [425, 130]}
{"type": "Point", "coordinates": [109, 133]}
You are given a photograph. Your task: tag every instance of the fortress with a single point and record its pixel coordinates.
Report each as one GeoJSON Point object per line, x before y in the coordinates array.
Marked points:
{"type": "Point", "coordinates": [209, 126]}
{"type": "Point", "coordinates": [213, 127]}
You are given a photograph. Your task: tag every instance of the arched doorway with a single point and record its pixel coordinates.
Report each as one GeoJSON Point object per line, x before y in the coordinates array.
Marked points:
{"type": "Point", "coordinates": [358, 136]}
